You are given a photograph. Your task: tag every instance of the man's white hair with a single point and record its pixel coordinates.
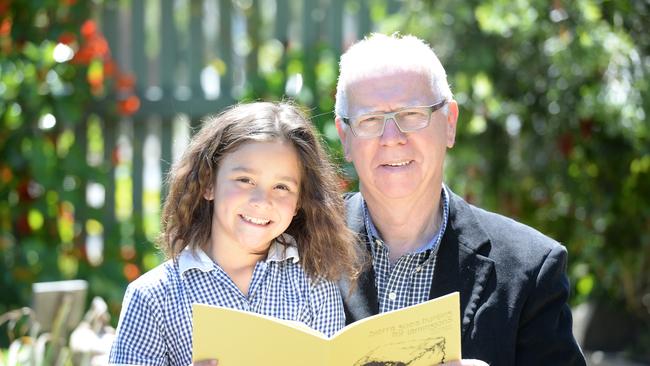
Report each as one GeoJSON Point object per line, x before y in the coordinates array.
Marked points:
{"type": "Point", "coordinates": [379, 54]}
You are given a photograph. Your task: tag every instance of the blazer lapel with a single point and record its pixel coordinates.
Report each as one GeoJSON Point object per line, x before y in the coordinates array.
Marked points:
{"type": "Point", "coordinates": [361, 301]}
{"type": "Point", "coordinates": [462, 263]}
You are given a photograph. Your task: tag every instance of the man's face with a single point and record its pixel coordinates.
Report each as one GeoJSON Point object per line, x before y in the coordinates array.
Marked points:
{"type": "Point", "coordinates": [398, 165]}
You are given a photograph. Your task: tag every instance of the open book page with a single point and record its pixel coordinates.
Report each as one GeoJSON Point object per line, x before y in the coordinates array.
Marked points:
{"type": "Point", "coordinates": [423, 334]}
{"type": "Point", "coordinates": [236, 337]}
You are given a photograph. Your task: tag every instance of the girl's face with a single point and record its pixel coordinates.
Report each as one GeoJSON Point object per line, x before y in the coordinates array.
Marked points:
{"type": "Point", "coordinates": [255, 196]}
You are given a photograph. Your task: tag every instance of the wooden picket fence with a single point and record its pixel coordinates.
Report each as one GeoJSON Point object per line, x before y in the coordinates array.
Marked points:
{"type": "Point", "coordinates": [192, 58]}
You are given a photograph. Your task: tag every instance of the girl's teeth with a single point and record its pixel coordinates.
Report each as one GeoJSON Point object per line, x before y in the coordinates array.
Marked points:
{"type": "Point", "coordinates": [255, 220]}
{"type": "Point", "coordinates": [399, 164]}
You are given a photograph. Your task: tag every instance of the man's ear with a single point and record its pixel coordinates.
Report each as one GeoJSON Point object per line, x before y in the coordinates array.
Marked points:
{"type": "Point", "coordinates": [452, 119]}
{"type": "Point", "coordinates": [342, 131]}
{"type": "Point", "coordinates": [208, 194]}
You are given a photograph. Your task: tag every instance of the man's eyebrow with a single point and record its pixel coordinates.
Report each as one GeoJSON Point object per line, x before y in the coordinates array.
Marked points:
{"type": "Point", "coordinates": [363, 111]}
{"type": "Point", "coordinates": [369, 111]}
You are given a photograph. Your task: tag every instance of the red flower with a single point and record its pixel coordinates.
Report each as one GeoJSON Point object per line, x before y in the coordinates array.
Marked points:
{"type": "Point", "coordinates": [98, 46]}
{"type": "Point", "coordinates": [83, 56]}
{"type": "Point", "coordinates": [129, 105]}
{"type": "Point", "coordinates": [131, 271]}
{"type": "Point", "coordinates": [109, 68]}
{"type": "Point", "coordinates": [89, 29]}
{"type": "Point", "coordinates": [5, 27]}
{"type": "Point", "coordinates": [67, 38]}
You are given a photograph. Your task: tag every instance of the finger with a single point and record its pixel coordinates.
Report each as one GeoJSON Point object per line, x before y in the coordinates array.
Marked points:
{"type": "Point", "coordinates": [205, 363]}
{"type": "Point", "coordinates": [466, 363]}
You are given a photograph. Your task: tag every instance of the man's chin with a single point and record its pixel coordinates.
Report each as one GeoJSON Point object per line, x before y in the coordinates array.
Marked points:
{"type": "Point", "coordinates": [392, 191]}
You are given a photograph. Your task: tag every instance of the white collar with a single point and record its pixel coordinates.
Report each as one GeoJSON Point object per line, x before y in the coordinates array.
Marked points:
{"type": "Point", "coordinates": [278, 252]}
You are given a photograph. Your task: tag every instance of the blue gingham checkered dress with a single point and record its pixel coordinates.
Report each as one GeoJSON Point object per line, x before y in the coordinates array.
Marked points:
{"type": "Point", "coordinates": [155, 326]}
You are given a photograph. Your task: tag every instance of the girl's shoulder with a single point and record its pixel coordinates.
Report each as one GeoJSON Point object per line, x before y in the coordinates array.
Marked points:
{"type": "Point", "coordinates": [158, 280]}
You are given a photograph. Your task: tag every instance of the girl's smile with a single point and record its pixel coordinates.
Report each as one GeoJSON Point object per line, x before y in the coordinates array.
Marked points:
{"type": "Point", "coordinates": [254, 220]}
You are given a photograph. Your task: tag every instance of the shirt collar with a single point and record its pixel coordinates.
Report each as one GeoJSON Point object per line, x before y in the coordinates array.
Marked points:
{"type": "Point", "coordinates": [281, 249]}
{"type": "Point", "coordinates": [373, 234]}
{"type": "Point", "coordinates": [194, 259]}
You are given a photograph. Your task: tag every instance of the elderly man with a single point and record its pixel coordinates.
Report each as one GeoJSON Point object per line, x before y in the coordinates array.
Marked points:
{"type": "Point", "coordinates": [396, 118]}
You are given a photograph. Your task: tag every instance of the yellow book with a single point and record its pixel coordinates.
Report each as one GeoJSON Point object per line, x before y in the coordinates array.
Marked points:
{"type": "Point", "coordinates": [422, 334]}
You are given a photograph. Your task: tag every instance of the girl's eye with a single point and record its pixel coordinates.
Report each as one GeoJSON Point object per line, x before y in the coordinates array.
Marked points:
{"type": "Point", "coordinates": [244, 180]}
{"type": "Point", "coordinates": [283, 187]}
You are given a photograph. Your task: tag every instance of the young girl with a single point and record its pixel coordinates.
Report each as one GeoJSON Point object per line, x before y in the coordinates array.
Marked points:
{"type": "Point", "coordinates": [253, 221]}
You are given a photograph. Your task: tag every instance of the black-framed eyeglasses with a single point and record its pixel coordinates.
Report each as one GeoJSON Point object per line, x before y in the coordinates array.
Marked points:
{"type": "Point", "coordinates": [407, 119]}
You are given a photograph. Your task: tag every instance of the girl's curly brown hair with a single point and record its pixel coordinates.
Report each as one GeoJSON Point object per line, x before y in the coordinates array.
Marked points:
{"type": "Point", "coordinates": [327, 247]}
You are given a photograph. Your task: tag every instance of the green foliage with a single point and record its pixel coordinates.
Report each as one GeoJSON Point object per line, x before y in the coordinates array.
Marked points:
{"type": "Point", "coordinates": [553, 128]}
{"type": "Point", "coordinates": [56, 77]}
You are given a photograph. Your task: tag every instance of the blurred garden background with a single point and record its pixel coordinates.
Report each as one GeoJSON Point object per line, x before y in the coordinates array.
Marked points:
{"type": "Point", "coordinates": [97, 99]}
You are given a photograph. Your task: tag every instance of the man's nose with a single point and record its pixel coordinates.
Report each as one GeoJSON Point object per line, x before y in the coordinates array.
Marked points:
{"type": "Point", "coordinates": [392, 134]}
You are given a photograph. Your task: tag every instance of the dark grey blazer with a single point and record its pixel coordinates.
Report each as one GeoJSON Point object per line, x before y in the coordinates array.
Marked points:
{"type": "Point", "coordinates": [512, 283]}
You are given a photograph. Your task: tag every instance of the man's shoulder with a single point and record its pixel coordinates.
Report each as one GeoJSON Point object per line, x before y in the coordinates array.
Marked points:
{"type": "Point", "coordinates": [517, 252]}
{"type": "Point", "coordinates": [508, 235]}
{"type": "Point", "coordinates": [503, 227]}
